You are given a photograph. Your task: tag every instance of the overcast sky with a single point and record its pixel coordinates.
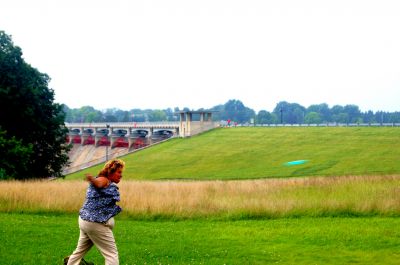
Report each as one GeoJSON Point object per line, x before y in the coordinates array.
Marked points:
{"type": "Point", "coordinates": [198, 54]}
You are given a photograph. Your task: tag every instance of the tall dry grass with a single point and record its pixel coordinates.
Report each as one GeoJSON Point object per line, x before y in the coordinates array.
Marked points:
{"type": "Point", "coordinates": [269, 198]}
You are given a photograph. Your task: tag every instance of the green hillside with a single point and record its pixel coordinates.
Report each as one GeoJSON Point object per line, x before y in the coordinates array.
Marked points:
{"type": "Point", "coordinates": [256, 152]}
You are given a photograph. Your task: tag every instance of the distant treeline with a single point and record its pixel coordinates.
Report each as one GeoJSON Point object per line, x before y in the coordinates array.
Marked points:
{"type": "Point", "coordinates": [236, 111]}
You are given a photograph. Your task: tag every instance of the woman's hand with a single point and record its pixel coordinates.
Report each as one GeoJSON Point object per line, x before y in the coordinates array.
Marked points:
{"type": "Point", "coordinates": [89, 177]}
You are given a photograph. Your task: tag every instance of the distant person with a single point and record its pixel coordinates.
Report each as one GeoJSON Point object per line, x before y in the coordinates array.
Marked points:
{"type": "Point", "coordinates": [96, 217]}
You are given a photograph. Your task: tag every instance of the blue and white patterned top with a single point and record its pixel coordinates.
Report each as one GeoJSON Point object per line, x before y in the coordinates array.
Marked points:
{"type": "Point", "coordinates": [100, 204]}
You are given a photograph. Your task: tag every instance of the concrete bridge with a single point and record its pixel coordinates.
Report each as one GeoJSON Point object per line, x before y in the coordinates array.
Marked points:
{"type": "Point", "coordinates": [127, 134]}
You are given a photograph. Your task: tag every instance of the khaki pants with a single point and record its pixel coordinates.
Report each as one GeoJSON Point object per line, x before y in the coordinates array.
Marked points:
{"type": "Point", "coordinates": [101, 236]}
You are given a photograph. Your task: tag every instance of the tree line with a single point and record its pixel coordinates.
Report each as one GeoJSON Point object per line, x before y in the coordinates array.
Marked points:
{"type": "Point", "coordinates": [234, 110]}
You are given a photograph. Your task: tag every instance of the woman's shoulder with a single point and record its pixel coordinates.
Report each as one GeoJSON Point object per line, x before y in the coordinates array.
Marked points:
{"type": "Point", "coordinates": [102, 181]}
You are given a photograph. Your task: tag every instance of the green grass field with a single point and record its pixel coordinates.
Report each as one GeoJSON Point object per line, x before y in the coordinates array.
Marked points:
{"type": "Point", "coordinates": [247, 153]}
{"type": "Point", "coordinates": [338, 220]}
{"type": "Point", "coordinates": [46, 239]}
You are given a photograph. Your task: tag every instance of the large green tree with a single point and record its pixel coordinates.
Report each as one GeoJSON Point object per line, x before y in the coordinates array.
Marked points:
{"type": "Point", "coordinates": [29, 118]}
{"type": "Point", "coordinates": [322, 110]}
{"type": "Point", "coordinates": [265, 117]}
{"type": "Point", "coordinates": [289, 112]}
{"type": "Point", "coordinates": [236, 111]}
{"type": "Point", "coordinates": [313, 118]}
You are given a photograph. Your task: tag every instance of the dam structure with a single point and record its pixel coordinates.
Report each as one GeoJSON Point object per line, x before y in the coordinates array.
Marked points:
{"type": "Point", "coordinates": [95, 143]}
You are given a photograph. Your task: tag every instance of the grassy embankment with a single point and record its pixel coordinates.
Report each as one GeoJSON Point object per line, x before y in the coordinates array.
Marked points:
{"type": "Point", "coordinates": [248, 153]}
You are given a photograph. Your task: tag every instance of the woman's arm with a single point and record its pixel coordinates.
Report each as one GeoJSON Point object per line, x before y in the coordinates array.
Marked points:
{"type": "Point", "coordinates": [99, 182]}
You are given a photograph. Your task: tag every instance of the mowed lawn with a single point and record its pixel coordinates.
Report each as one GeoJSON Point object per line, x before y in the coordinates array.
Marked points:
{"type": "Point", "coordinates": [261, 152]}
{"type": "Point", "coordinates": [46, 239]}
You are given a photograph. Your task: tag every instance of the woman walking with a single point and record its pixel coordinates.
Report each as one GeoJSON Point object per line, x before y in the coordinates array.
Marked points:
{"type": "Point", "coordinates": [96, 217]}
